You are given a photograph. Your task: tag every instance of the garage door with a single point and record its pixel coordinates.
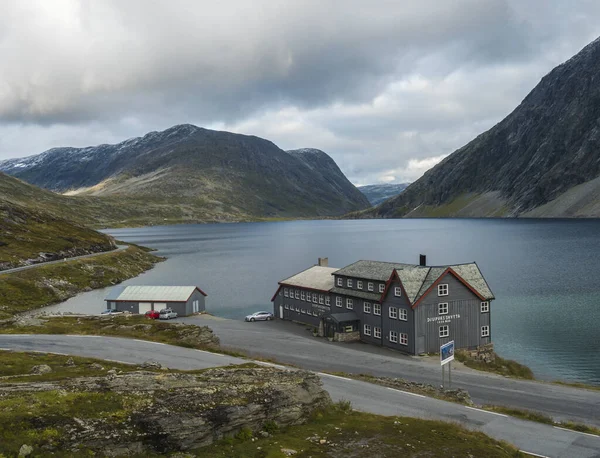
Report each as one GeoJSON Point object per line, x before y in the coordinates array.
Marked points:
{"type": "Point", "coordinates": [144, 307]}
{"type": "Point", "coordinates": [160, 305]}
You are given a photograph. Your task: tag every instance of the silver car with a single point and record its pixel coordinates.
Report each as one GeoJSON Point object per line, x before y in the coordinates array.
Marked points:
{"type": "Point", "coordinates": [167, 314]}
{"type": "Point", "coordinates": [260, 316]}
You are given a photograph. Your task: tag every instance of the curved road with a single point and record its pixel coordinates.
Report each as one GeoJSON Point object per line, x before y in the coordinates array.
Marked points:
{"type": "Point", "coordinates": [59, 261]}
{"type": "Point", "coordinates": [542, 440]}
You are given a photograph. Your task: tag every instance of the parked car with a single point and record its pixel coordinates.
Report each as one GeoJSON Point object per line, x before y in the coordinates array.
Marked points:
{"type": "Point", "coordinates": [167, 314]}
{"type": "Point", "coordinates": [260, 316]}
{"type": "Point", "coordinates": [152, 314]}
{"type": "Point", "coordinates": [111, 312]}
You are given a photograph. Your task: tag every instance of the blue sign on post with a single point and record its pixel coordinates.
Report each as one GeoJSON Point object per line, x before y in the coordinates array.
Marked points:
{"type": "Point", "coordinates": [447, 352]}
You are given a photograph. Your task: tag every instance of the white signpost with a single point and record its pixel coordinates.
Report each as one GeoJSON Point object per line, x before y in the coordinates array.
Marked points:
{"type": "Point", "coordinates": [446, 357]}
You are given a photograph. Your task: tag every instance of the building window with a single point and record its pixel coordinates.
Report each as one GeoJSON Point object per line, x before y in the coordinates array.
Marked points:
{"type": "Point", "coordinates": [443, 290]}
{"type": "Point", "coordinates": [349, 283]}
{"type": "Point", "coordinates": [397, 291]}
{"type": "Point", "coordinates": [367, 330]}
{"type": "Point", "coordinates": [308, 296]}
{"type": "Point", "coordinates": [349, 304]}
{"type": "Point", "coordinates": [359, 284]}
{"type": "Point", "coordinates": [367, 307]}
{"type": "Point", "coordinates": [321, 299]}
{"type": "Point", "coordinates": [297, 294]}
{"type": "Point", "coordinates": [370, 286]}
{"type": "Point", "coordinates": [286, 292]}
{"type": "Point", "coordinates": [297, 309]}
{"type": "Point", "coordinates": [444, 331]}
{"type": "Point", "coordinates": [381, 287]}
{"type": "Point", "coordinates": [338, 301]}
{"type": "Point", "coordinates": [485, 307]}
{"type": "Point", "coordinates": [303, 295]}
{"type": "Point", "coordinates": [394, 313]}
{"type": "Point", "coordinates": [394, 336]}
{"type": "Point", "coordinates": [403, 314]}
{"type": "Point", "coordinates": [377, 332]}
{"type": "Point", "coordinates": [285, 306]}
{"type": "Point", "coordinates": [303, 311]}
{"type": "Point", "coordinates": [485, 331]}
{"type": "Point", "coordinates": [376, 309]}
{"type": "Point", "coordinates": [327, 300]}
{"type": "Point", "coordinates": [314, 313]}
{"type": "Point", "coordinates": [340, 281]}
{"type": "Point", "coordinates": [443, 308]}
{"type": "Point", "coordinates": [403, 339]}
{"type": "Point", "coordinates": [315, 299]}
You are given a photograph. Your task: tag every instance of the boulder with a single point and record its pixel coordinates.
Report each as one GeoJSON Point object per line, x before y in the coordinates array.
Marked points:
{"type": "Point", "coordinates": [40, 369]}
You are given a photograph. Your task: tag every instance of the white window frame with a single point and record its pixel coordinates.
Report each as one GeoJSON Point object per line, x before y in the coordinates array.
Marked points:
{"type": "Point", "coordinates": [485, 331]}
{"type": "Point", "coordinates": [394, 336]}
{"type": "Point", "coordinates": [443, 308]}
{"type": "Point", "coordinates": [286, 292]}
{"type": "Point", "coordinates": [303, 295]}
{"type": "Point", "coordinates": [485, 307]}
{"type": "Point", "coordinates": [376, 309]}
{"type": "Point", "coordinates": [397, 291]}
{"type": "Point", "coordinates": [314, 313]}
{"type": "Point", "coordinates": [443, 289]}
{"type": "Point", "coordinates": [402, 314]}
{"type": "Point", "coordinates": [340, 281]}
{"type": "Point", "coordinates": [303, 311]}
{"type": "Point", "coordinates": [377, 332]}
{"type": "Point", "coordinates": [297, 294]}
{"type": "Point", "coordinates": [367, 307]}
{"type": "Point", "coordinates": [349, 283]}
{"type": "Point", "coordinates": [315, 298]}
{"type": "Point", "coordinates": [381, 287]}
{"type": "Point", "coordinates": [285, 306]}
{"type": "Point", "coordinates": [349, 304]}
{"type": "Point", "coordinates": [359, 284]}
{"type": "Point", "coordinates": [393, 313]}
{"type": "Point", "coordinates": [445, 331]}
{"type": "Point", "coordinates": [370, 286]}
{"type": "Point", "coordinates": [298, 308]}
{"type": "Point", "coordinates": [321, 299]}
{"type": "Point", "coordinates": [308, 296]}
{"type": "Point", "coordinates": [403, 338]}
{"type": "Point", "coordinates": [327, 300]}
{"type": "Point", "coordinates": [367, 329]}
{"type": "Point", "coordinates": [338, 301]}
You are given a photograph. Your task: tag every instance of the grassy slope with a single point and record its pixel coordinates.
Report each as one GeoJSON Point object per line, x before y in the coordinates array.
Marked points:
{"type": "Point", "coordinates": [46, 285]}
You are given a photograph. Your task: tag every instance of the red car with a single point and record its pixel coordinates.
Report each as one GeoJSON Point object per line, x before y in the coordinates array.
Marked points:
{"type": "Point", "coordinates": [152, 314]}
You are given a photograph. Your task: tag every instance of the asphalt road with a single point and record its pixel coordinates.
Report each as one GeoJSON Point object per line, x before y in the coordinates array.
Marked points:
{"type": "Point", "coordinates": [540, 439]}
{"type": "Point", "coordinates": [91, 255]}
{"type": "Point", "coordinates": [292, 344]}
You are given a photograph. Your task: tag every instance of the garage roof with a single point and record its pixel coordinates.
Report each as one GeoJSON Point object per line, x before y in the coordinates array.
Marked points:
{"type": "Point", "coordinates": [152, 293]}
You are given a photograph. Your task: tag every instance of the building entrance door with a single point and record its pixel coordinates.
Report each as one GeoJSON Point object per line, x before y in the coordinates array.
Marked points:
{"type": "Point", "coordinates": [420, 345]}
{"type": "Point", "coordinates": [281, 312]}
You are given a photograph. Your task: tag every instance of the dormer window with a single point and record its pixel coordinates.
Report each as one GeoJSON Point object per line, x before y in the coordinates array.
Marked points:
{"type": "Point", "coordinates": [359, 284]}
{"type": "Point", "coordinates": [370, 286]}
{"type": "Point", "coordinates": [340, 281]}
{"type": "Point", "coordinates": [349, 283]}
{"type": "Point", "coordinates": [381, 287]}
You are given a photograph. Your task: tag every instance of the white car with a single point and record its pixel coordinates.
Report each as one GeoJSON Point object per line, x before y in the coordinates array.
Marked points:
{"type": "Point", "coordinates": [167, 314]}
{"type": "Point", "coordinates": [260, 316]}
{"type": "Point", "coordinates": [112, 312]}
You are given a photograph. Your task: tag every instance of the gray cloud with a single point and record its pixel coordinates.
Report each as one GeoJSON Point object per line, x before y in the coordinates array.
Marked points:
{"type": "Point", "coordinates": [382, 86]}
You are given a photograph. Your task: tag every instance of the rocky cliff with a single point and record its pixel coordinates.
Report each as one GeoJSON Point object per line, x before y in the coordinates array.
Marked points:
{"type": "Point", "coordinates": [542, 160]}
{"type": "Point", "coordinates": [146, 413]}
{"type": "Point", "coordinates": [191, 168]}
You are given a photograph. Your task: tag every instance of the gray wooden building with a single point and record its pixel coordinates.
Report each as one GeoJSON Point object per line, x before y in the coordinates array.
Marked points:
{"type": "Point", "coordinates": [413, 308]}
{"type": "Point", "coordinates": [184, 300]}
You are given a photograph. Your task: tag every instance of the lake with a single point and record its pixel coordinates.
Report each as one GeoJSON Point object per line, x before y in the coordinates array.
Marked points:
{"type": "Point", "coordinates": [544, 273]}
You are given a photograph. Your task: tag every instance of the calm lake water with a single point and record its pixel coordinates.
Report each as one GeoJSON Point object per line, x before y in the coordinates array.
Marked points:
{"type": "Point", "coordinates": [544, 273]}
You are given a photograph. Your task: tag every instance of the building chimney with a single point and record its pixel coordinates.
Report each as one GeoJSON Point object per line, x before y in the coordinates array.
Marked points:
{"type": "Point", "coordinates": [422, 260]}
{"type": "Point", "coordinates": [323, 262]}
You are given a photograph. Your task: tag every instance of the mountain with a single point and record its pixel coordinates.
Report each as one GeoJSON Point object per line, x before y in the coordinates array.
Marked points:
{"type": "Point", "coordinates": [206, 172]}
{"type": "Point", "coordinates": [30, 234]}
{"type": "Point", "coordinates": [542, 160]}
{"type": "Point", "coordinates": [378, 193]}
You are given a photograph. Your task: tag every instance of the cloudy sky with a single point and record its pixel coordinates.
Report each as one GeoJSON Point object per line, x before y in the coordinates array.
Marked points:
{"type": "Point", "coordinates": [387, 88]}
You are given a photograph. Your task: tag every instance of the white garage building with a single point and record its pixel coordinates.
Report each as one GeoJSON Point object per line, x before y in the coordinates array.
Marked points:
{"type": "Point", "coordinates": [185, 300]}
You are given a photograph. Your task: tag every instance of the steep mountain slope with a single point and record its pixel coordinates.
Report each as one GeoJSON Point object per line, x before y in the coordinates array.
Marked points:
{"type": "Point", "coordinates": [30, 234]}
{"type": "Point", "coordinates": [541, 160]}
{"type": "Point", "coordinates": [223, 173]}
{"type": "Point", "coordinates": [378, 193]}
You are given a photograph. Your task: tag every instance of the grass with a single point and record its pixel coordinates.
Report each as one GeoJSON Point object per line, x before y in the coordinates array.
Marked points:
{"type": "Point", "coordinates": [500, 366]}
{"type": "Point", "coordinates": [46, 285]}
{"type": "Point", "coordinates": [542, 418]}
{"type": "Point", "coordinates": [340, 431]}
{"type": "Point", "coordinates": [131, 326]}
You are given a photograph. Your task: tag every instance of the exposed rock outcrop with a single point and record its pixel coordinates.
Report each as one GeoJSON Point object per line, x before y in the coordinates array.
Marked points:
{"type": "Point", "coordinates": [176, 412]}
